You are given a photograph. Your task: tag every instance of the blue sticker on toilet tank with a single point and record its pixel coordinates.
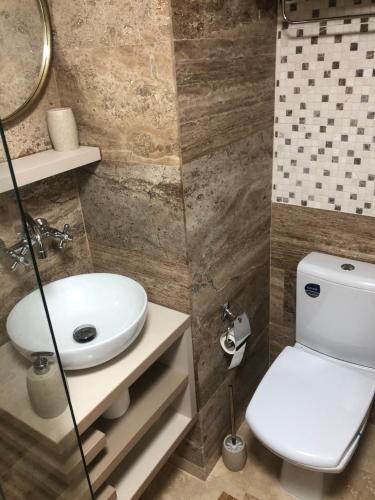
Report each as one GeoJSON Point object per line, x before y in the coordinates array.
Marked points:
{"type": "Point", "coordinates": [312, 290]}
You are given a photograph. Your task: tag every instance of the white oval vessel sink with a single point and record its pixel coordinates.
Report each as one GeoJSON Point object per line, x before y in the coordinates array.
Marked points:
{"type": "Point", "coordinates": [95, 317]}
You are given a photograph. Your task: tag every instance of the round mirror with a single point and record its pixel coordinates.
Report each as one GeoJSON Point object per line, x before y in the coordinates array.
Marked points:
{"type": "Point", "coordinates": [25, 54]}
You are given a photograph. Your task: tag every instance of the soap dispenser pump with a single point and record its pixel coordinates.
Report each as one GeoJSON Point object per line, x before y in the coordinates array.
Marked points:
{"type": "Point", "coordinates": [45, 386]}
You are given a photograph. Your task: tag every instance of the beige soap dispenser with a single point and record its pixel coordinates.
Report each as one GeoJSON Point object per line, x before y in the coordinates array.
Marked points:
{"type": "Point", "coordinates": [45, 386]}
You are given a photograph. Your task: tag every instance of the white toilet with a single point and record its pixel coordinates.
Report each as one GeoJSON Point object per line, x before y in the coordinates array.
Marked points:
{"type": "Point", "coordinates": [313, 403]}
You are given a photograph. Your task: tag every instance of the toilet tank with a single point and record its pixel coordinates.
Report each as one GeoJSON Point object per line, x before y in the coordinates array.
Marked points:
{"type": "Point", "coordinates": [336, 307]}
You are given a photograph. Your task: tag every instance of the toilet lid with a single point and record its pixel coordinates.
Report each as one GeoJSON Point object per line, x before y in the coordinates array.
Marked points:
{"type": "Point", "coordinates": [308, 409]}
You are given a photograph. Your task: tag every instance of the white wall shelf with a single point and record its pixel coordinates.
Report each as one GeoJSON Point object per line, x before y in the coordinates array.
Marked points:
{"type": "Point", "coordinates": [39, 166]}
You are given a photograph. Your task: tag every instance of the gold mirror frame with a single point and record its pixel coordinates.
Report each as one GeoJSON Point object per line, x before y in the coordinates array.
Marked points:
{"type": "Point", "coordinates": [45, 65]}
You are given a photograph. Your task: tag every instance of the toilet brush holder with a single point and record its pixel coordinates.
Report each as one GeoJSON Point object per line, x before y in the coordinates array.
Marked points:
{"type": "Point", "coordinates": [234, 451]}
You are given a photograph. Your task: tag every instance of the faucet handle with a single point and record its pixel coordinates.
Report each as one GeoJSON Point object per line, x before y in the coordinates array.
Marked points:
{"type": "Point", "coordinates": [19, 258]}
{"type": "Point", "coordinates": [64, 237]}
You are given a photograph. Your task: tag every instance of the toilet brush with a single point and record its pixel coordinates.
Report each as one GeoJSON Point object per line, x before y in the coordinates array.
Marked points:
{"type": "Point", "coordinates": [234, 447]}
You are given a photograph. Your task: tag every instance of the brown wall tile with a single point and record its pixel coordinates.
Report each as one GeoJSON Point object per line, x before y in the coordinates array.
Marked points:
{"type": "Point", "coordinates": [219, 19]}
{"type": "Point", "coordinates": [166, 282]}
{"type": "Point", "coordinates": [228, 208]}
{"type": "Point", "coordinates": [134, 219]}
{"type": "Point", "coordinates": [225, 90]}
{"type": "Point", "coordinates": [135, 207]}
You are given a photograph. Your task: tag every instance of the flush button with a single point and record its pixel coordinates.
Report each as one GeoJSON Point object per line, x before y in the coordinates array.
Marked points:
{"type": "Point", "coordinates": [348, 267]}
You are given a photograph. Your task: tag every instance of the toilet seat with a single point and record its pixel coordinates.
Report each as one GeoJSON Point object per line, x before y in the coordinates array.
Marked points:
{"type": "Point", "coordinates": [310, 410]}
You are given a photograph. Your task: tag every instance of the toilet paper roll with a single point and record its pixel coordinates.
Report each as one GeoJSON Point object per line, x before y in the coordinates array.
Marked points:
{"type": "Point", "coordinates": [233, 342]}
{"type": "Point", "coordinates": [237, 357]}
{"type": "Point", "coordinates": [228, 344]}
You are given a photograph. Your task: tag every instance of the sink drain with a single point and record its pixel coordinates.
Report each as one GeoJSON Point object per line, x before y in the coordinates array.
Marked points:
{"type": "Point", "coordinates": [84, 333]}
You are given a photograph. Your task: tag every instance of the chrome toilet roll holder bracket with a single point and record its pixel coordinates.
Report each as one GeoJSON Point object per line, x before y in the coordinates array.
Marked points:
{"type": "Point", "coordinates": [238, 323]}
{"type": "Point", "coordinates": [226, 312]}
{"type": "Point", "coordinates": [227, 315]}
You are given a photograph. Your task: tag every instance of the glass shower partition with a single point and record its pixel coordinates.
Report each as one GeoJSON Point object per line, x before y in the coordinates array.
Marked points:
{"type": "Point", "coordinates": [41, 454]}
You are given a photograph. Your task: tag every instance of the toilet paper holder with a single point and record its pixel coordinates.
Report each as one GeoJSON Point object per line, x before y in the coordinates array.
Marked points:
{"type": "Point", "coordinates": [233, 341]}
{"type": "Point", "coordinates": [240, 324]}
{"type": "Point", "coordinates": [227, 315]}
{"type": "Point", "coordinates": [226, 312]}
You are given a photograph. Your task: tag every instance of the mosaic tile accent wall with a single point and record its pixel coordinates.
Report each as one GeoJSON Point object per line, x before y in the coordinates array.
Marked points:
{"type": "Point", "coordinates": [324, 143]}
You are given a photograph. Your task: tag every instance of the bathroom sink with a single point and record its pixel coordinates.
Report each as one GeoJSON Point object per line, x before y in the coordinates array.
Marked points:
{"type": "Point", "coordinates": [95, 317]}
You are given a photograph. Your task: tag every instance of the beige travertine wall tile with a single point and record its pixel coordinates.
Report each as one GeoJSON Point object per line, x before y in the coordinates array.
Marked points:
{"type": "Point", "coordinates": [115, 69]}
{"type": "Point", "coordinates": [123, 99]}
{"type": "Point", "coordinates": [112, 23]}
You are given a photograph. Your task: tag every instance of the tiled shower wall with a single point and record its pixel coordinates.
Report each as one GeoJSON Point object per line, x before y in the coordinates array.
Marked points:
{"type": "Point", "coordinates": [324, 144]}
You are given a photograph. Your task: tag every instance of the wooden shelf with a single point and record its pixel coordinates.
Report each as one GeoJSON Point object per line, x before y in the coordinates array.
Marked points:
{"type": "Point", "coordinates": [150, 396]}
{"type": "Point", "coordinates": [39, 166]}
{"type": "Point", "coordinates": [142, 464]}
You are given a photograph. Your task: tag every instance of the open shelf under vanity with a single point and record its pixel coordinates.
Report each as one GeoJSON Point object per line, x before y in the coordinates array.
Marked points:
{"type": "Point", "coordinates": [124, 454]}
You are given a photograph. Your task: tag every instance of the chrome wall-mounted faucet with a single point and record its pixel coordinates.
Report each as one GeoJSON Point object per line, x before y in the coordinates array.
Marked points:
{"type": "Point", "coordinates": [36, 236]}
{"type": "Point", "coordinates": [40, 233]}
